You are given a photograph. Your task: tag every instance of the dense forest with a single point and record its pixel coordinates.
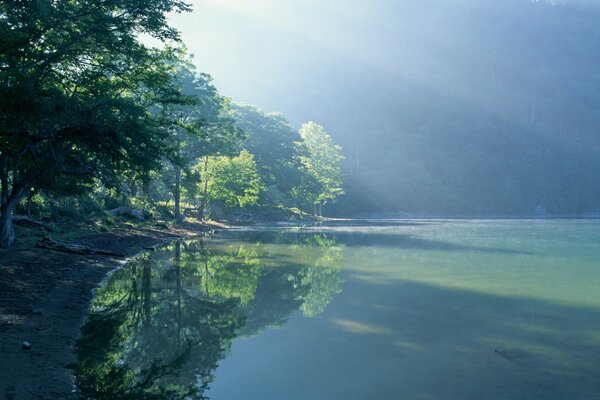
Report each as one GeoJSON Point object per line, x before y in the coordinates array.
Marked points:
{"type": "Point", "coordinates": [95, 123]}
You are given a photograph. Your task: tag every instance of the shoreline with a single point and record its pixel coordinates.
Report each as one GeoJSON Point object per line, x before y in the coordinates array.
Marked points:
{"type": "Point", "coordinates": [44, 300]}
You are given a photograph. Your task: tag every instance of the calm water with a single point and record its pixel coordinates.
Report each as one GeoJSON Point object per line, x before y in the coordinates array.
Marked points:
{"type": "Point", "coordinates": [412, 310]}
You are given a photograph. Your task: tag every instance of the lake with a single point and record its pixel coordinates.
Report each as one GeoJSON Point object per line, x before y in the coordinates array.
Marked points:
{"type": "Point", "coordinates": [416, 309]}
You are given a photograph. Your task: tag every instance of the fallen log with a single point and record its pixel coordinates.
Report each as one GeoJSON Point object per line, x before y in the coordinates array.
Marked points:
{"type": "Point", "coordinates": [67, 247]}
{"type": "Point", "coordinates": [23, 220]}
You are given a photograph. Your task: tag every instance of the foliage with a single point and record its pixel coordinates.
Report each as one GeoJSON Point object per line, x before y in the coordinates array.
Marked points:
{"type": "Point", "coordinates": [322, 177]}
{"type": "Point", "coordinates": [75, 87]}
{"type": "Point", "coordinates": [234, 181]}
{"type": "Point", "coordinates": [202, 127]}
{"type": "Point", "coordinates": [87, 109]}
{"type": "Point", "coordinates": [271, 140]}
{"type": "Point", "coordinates": [322, 277]}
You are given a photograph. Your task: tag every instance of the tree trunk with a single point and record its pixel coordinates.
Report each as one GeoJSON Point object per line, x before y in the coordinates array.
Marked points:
{"type": "Point", "coordinates": [178, 290]}
{"type": "Point", "coordinates": [29, 198]}
{"type": "Point", "coordinates": [225, 212]}
{"type": "Point", "coordinates": [133, 188]}
{"type": "Point", "coordinates": [7, 230]}
{"type": "Point", "coordinates": [146, 188]}
{"type": "Point", "coordinates": [3, 181]}
{"type": "Point", "coordinates": [206, 274]}
{"type": "Point", "coordinates": [320, 209]}
{"type": "Point", "coordinates": [177, 193]}
{"type": "Point", "coordinates": [205, 196]}
{"type": "Point", "coordinates": [8, 203]}
{"type": "Point", "coordinates": [147, 293]}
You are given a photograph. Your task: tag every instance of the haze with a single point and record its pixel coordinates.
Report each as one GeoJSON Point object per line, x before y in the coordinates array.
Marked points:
{"type": "Point", "coordinates": [456, 107]}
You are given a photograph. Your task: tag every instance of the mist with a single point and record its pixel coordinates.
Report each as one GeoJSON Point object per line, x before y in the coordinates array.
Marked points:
{"type": "Point", "coordinates": [441, 107]}
{"type": "Point", "coordinates": [300, 199]}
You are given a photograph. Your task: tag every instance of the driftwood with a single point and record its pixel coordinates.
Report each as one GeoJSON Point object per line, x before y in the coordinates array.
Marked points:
{"type": "Point", "coordinates": [23, 220]}
{"type": "Point", "coordinates": [66, 247]}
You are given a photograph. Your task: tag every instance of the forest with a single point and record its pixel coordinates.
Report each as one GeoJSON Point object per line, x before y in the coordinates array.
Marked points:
{"type": "Point", "coordinates": [95, 123]}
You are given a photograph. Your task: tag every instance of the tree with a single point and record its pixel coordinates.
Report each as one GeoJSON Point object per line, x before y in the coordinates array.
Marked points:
{"type": "Point", "coordinates": [271, 139]}
{"type": "Point", "coordinates": [322, 179]}
{"type": "Point", "coordinates": [234, 181]}
{"type": "Point", "coordinates": [202, 127]}
{"type": "Point", "coordinates": [75, 87]}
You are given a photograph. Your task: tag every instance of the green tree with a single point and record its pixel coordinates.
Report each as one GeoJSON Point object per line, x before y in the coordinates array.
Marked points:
{"type": "Point", "coordinates": [76, 85]}
{"type": "Point", "coordinates": [202, 127]}
{"type": "Point", "coordinates": [233, 181]}
{"type": "Point", "coordinates": [271, 139]}
{"type": "Point", "coordinates": [322, 178]}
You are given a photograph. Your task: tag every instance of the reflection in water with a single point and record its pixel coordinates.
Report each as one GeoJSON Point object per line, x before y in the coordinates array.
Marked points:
{"type": "Point", "coordinates": [159, 326]}
{"type": "Point", "coordinates": [446, 310]}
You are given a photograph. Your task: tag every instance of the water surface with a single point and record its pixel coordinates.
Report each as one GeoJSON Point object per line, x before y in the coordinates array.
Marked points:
{"type": "Point", "coordinates": [385, 310]}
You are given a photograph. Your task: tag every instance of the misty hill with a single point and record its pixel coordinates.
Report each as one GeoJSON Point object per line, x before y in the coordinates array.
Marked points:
{"type": "Point", "coordinates": [456, 107]}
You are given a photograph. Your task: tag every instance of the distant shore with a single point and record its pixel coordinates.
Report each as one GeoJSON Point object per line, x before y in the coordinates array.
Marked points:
{"type": "Point", "coordinates": [383, 216]}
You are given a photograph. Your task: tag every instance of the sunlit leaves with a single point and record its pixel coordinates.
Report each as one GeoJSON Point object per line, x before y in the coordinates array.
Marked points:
{"type": "Point", "coordinates": [234, 181]}
{"type": "Point", "coordinates": [322, 180]}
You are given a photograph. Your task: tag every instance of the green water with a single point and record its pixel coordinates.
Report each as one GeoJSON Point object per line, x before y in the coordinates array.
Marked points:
{"type": "Point", "coordinates": [386, 310]}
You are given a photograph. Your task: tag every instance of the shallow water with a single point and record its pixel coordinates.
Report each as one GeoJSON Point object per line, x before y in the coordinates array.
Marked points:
{"type": "Point", "coordinates": [373, 310]}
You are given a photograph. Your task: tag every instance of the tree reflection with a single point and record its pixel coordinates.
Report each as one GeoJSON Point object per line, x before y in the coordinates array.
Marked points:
{"type": "Point", "coordinates": [159, 327]}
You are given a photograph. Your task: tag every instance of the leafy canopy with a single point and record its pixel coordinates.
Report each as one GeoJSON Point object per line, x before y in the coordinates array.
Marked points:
{"type": "Point", "coordinates": [75, 87]}
{"type": "Point", "coordinates": [271, 139]}
{"type": "Point", "coordinates": [232, 180]}
{"type": "Point", "coordinates": [321, 161]}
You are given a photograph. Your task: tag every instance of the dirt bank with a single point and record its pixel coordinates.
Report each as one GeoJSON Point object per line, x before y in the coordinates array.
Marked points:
{"type": "Point", "coordinates": [44, 296]}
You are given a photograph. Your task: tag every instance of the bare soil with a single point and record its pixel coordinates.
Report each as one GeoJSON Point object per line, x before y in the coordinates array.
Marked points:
{"type": "Point", "coordinates": [44, 298]}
